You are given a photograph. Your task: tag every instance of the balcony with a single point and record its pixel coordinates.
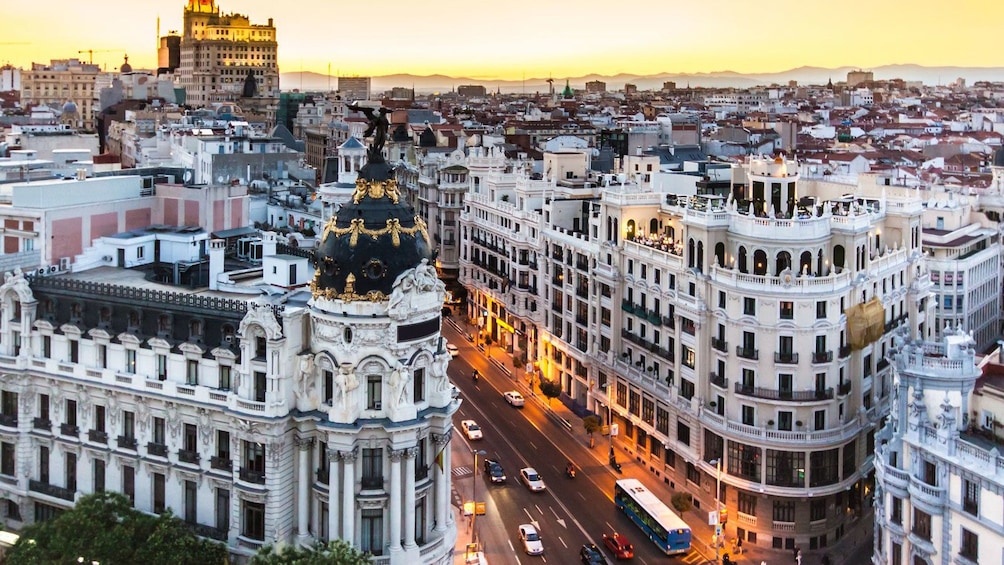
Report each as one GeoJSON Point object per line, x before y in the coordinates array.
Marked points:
{"type": "Point", "coordinates": [668, 322]}
{"type": "Point", "coordinates": [747, 352]}
{"type": "Point", "coordinates": [718, 380]}
{"type": "Point", "coordinates": [69, 430]}
{"type": "Point", "coordinates": [126, 442]}
{"type": "Point", "coordinates": [210, 532]}
{"type": "Point", "coordinates": [822, 356]}
{"type": "Point", "coordinates": [50, 490]}
{"type": "Point", "coordinates": [845, 351]}
{"type": "Point", "coordinates": [777, 394]}
{"type": "Point", "coordinates": [97, 436]}
{"type": "Point", "coordinates": [720, 344]}
{"type": "Point", "coordinates": [221, 463]}
{"type": "Point", "coordinates": [188, 456]}
{"type": "Point", "coordinates": [252, 476]}
{"type": "Point", "coordinates": [372, 483]}
{"type": "Point", "coordinates": [844, 388]}
{"type": "Point", "coordinates": [930, 498]}
{"type": "Point", "coordinates": [8, 420]}
{"type": "Point", "coordinates": [43, 424]}
{"type": "Point", "coordinates": [157, 449]}
{"type": "Point", "coordinates": [786, 357]}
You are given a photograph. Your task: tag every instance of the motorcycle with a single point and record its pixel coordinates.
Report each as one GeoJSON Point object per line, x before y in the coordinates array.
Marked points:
{"type": "Point", "coordinates": [570, 471]}
{"type": "Point", "coordinates": [475, 376]}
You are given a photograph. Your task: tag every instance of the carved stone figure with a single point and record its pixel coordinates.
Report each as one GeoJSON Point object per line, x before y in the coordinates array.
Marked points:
{"type": "Point", "coordinates": [378, 126]}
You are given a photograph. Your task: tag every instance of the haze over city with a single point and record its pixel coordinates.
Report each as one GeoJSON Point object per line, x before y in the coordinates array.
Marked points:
{"type": "Point", "coordinates": [525, 39]}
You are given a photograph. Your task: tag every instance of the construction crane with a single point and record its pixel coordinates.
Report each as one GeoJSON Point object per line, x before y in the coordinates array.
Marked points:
{"type": "Point", "coordinates": [91, 52]}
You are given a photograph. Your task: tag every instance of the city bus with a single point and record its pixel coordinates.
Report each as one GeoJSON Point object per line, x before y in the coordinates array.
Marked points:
{"type": "Point", "coordinates": [659, 523]}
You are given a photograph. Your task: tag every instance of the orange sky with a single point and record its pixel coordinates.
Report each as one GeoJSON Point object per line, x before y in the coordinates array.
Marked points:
{"type": "Point", "coordinates": [527, 39]}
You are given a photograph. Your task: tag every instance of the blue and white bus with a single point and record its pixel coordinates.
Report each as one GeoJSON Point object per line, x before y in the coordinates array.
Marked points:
{"type": "Point", "coordinates": [659, 523]}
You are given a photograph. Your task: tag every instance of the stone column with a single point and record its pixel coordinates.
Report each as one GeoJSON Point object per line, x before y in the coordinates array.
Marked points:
{"type": "Point", "coordinates": [334, 485]}
{"type": "Point", "coordinates": [348, 496]}
{"type": "Point", "coordinates": [395, 499]}
{"type": "Point", "coordinates": [441, 442]}
{"type": "Point", "coordinates": [409, 497]}
{"type": "Point", "coordinates": [303, 487]}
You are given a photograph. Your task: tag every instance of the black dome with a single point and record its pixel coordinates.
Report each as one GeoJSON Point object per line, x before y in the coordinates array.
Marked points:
{"type": "Point", "coordinates": [999, 158]}
{"type": "Point", "coordinates": [370, 241]}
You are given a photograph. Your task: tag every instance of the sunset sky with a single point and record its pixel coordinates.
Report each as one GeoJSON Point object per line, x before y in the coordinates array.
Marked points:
{"type": "Point", "coordinates": [516, 39]}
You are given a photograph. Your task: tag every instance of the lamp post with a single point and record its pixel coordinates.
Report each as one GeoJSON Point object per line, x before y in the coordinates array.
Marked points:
{"type": "Point", "coordinates": [474, 495]}
{"type": "Point", "coordinates": [718, 507]}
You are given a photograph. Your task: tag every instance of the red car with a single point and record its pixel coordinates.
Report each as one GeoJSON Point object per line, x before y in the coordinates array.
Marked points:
{"type": "Point", "coordinates": [618, 545]}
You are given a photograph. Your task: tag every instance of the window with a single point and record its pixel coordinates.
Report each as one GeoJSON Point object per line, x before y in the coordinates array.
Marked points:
{"type": "Point", "coordinates": [191, 438]}
{"type": "Point", "coordinates": [748, 415]}
{"type": "Point", "coordinates": [74, 351]}
{"type": "Point", "coordinates": [47, 346]}
{"type": "Point", "coordinates": [786, 468]}
{"type": "Point", "coordinates": [129, 483]}
{"type": "Point", "coordinates": [99, 418]}
{"type": "Point", "coordinates": [191, 502]}
{"type": "Point", "coordinates": [683, 433]}
{"type": "Point", "coordinates": [8, 408]}
{"type": "Point", "coordinates": [897, 553]}
{"type": "Point", "coordinates": [817, 509]}
{"type": "Point", "coordinates": [747, 503]}
{"type": "Point", "coordinates": [71, 413]}
{"type": "Point", "coordinates": [819, 420]}
{"type": "Point", "coordinates": [744, 461]}
{"type": "Point", "coordinates": [693, 475]}
{"type": "Point", "coordinates": [329, 387]}
{"type": "Point", "coordinates": [418, 385]}
{"type": "Point", "coordinates": [7, 459]}
{"type": "Point", "coordinates": [371, 531]}
{"type": "Point", "coordinates": [970, 545]}
{"type": "Point", "coordinates": [43, 464]}
{"type": "Point", "coordinates": [784, 510]}
{"type": "Point", "coordinates": [259, 386]}
{"type": "Point", "coordinates": [254, 456]}
{"type": "Point", "coordinates": [225, 382]}
{"type": "Point", "coordinates": [374, 392]}
{"type": "Point", "coordinates": [158, 431]}
{"type": "Point", "coordinates": [159, 496]}
{"type": "Point", "coordinates": [223, 445]}
{"type": "Point", "coordinates": [787, 310]}
{"type": "Point", "coordinates": [128, 425]}
{"type": "Point", "coordinates": [784, 420]}
{"type": "Point", "coordinates": [161, 367]}
{"type": "Point", "coordinates": [130, 365]}
{"type": "Point", "coordinates": [43, 407]}
{"type": "Point", "coordinates": [721, 299]}
{"type": "Point", "coordinates": [823, 467]}
{"type": "Point", "coordinates": [896, 511]}
{"type": "Point", "coordinates": [372, 471]}
{"type": "Point", "coordinates": [686, 389]}
{"type": "Point", "coordinates": [253, 523]}
{"type": "Point", "coordinates": [99, 475]}
{"type": "Point", "coordinates": [749, 306]}
{"type": "Point", "coordinates": [192, 375]}
{"type": "Point", "coordinates": [223, 509]}
{"type": "Point", "coordinates": [101, 352]}
{"type": "Point", "coordinates": [971, 497]}
{"type": "Point", "coordinates": [820, 309]}
{"type": "Point", "coordinates": [921, 524]}
{"type": "Point", "coordinates": [850, 458]}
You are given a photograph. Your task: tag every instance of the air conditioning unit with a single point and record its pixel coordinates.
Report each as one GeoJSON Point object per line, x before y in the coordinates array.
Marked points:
{"type": "Point", "coordinates": [53, 269]}
{"type": "Point", "coordinates": [64, 263]}
{"type": "Point", "coordinates": [41, 271]}
{"type": "Point", "coordinates": [107, 258]}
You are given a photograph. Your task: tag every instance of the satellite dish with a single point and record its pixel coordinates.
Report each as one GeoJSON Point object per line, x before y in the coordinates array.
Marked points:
{"type": "Point", "coordinates": [187, 177]}
{"type": "Point", "coordinates": [221, 179]}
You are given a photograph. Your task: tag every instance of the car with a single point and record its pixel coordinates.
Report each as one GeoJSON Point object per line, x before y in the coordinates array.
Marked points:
{"type": "Point", "coordinates": [618, 545]}
{"type": "Point", "coordinates": [452, 350]}
{"type": "Point", "coordinates": [471, 429]}
{"type": "Point", "coordinates": [591, 555]}
{"type": "Point", "coordinates": [514, 398]}
{"type": "Point", "coordinates": [531, 478]}
{"type": "Point", "coordinates": [494, 470]}
{"type": "Point", "coordinates": [531, 539]}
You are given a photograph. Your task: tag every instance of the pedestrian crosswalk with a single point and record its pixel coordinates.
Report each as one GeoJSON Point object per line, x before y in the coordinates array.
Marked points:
{"type": "Point", "coordinates": [693, 558]}
{"type": "Point", "coordinates": [462, 471]}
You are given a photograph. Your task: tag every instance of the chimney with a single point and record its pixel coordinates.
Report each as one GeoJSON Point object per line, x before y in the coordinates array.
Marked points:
{"type": "Point", "coordinates": [268, 244]}
{"type": "Point", "coordinates": [81, 174]}
{"type": "Point", "coordinates": [217, 248]}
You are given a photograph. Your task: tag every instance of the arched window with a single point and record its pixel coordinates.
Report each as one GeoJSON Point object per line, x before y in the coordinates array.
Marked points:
{"type": "Point", "coordinates": [653, 226]}
{"type": "Point", "coordinates": [743, 268]}
{"type": "Point", "coordinates": [630, 229]}
{"type": "Point", "coordinates": [782, 262]}
{"type": "Point", "coordinates": [690, 252]}
{"type": "Point", "coordinates": [700, 256]}
{"type": "Point", "coordinates": [720, 254]}
{"type": "Point", "coordinates": [760, 262]}
{"type": "Point", "coordinates": [805, 262]}
{"type": "Point", "coordinates": [839, 257]}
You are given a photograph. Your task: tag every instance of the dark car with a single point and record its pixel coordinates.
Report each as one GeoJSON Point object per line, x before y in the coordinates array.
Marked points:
{"type": "Point", "coordinates": [618, 545]}
{"type": "Point", "coordinates": [590, 555]}
{"type": "Point", "coordinates": [494, 471]}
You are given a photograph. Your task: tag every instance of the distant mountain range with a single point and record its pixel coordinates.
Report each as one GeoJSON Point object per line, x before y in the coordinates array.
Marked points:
{"type": "Point", "coordinates": [309, 81]}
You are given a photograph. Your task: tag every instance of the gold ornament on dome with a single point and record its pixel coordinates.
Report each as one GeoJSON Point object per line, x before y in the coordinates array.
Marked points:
{"type": "Point", "coordinates": [348, 295]}
{"type": "Point", "coordinates": [358, 227]}
{"type": "Point", "coordinates": [376, 189]}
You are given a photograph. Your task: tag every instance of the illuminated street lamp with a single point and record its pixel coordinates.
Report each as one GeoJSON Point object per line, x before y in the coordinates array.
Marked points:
{"type": "Point", "coordinates": [474, 495]}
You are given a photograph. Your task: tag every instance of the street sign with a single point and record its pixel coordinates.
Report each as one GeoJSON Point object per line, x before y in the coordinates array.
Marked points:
{"type": "Point", "coordinates": [712, 518]}
{"type": "Point", "coordinates": [614, 429]}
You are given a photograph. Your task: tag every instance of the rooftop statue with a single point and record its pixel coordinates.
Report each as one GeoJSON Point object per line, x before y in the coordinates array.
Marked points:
{"type": "Point", "coordinates": [378, 129]}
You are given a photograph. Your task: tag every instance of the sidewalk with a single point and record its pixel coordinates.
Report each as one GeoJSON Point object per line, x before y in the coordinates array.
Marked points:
{"type": "Point", "coordinates": [848, 550]}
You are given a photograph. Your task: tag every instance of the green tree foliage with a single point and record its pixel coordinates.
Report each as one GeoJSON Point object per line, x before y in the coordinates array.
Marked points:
{"type": "Point", "coordinates": [591, 424]}
{"type": "Point", "coordinates": [337, 552]}
{"type": "Point", "coordinates": [550, 389]}
{"type": "Point", "coordinates": [104, 527]}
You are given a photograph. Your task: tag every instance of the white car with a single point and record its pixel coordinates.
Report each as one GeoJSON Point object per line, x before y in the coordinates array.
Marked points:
{"type": "Point", "coordinates": [514, 398]}
{"type": "Point", "coordinates": [531, 539]}
{"type": "Point", "coordinates": [471, 429]}
{"type": "Point", "coordinates": [452, 350]}
{"type": "Point", "coordinates": [531, 479]}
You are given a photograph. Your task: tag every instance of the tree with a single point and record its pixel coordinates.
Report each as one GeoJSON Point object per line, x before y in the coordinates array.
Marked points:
{"type": "Point", "coordinates": [337, 552]}
{"type": "Point", "coordinates": [550, 389]}
{"type": "Point", "coordinates": [104, 527]}
{"type": "Point", "coordinates": [591, 424]}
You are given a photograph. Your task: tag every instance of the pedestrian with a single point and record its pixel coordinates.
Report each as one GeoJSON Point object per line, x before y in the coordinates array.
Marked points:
{"type": "Point", "coordinates": [794, 553]}
{"type": "Point", "coordinates": [739, 546]}
{"type": "Point", "coordinates": [798, 558]}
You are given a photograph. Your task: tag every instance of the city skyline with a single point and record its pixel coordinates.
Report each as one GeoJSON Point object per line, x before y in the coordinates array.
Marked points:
{"type": "Point", "coordinates": [531, 40]}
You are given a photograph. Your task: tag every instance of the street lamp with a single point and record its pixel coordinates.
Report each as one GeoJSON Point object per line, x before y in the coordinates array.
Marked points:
{"type": "Point", "coordinates": [474, 494]}
{"type": "Point", "coordinates": [718, 506]}
{"type": "Point", "coordinates": [610, 420]}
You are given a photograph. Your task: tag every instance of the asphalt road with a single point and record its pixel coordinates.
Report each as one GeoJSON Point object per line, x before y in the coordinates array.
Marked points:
{"type": "Point", "coordinates": [570, 512]}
